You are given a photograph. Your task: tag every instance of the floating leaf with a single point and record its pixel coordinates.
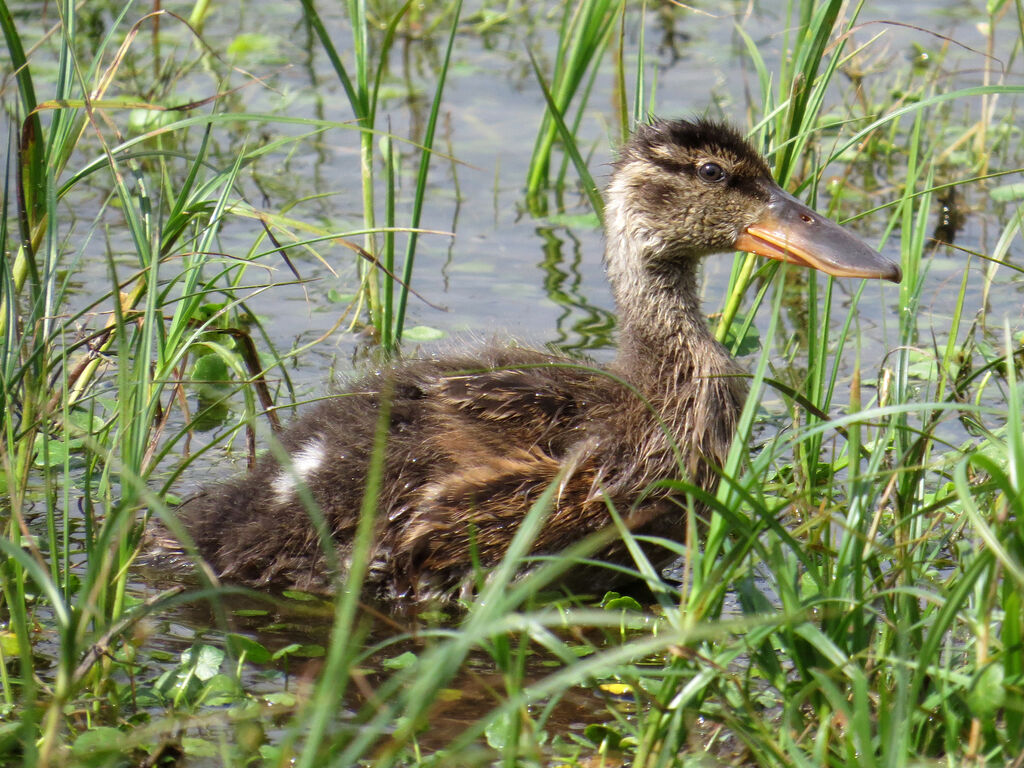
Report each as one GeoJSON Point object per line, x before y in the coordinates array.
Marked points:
{"type": "Point", "coordinates": [337, 297]}
{"type": "Point", "coordinates": [1007, 193]}
{"type": "Point", "coordinates": [265, 49]}
{"type": "Point", "coordinates": [574, 220]}
{"type": "Point", "coordinates": [422, 333]}
{"type": "Point", "coordinates": [303, 597]}
{"type": "Point", "coordinates": [281, 698]}
{"type": "Point", "coordinates": [194, 747]}
{"type": "Point", "coordinates": [57, 451]}
{"type": "Point", "coordinates": [402, 661]}
{"type": "Point", "coordinates": [101, 742]}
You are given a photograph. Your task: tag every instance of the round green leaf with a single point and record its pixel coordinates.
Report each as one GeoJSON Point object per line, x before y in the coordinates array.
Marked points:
{"type": "Point", "coordinates": [423, 333]}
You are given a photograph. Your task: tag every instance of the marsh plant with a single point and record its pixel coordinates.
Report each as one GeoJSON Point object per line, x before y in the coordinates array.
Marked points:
{"type": "Point", "coordinates": [853, 596]}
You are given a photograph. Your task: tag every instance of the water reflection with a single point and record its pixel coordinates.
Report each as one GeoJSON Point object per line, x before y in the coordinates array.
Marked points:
{"type": "Point", "coordinates": [581, 325]}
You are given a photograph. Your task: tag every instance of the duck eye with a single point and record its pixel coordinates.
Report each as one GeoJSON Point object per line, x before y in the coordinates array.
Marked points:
{"type": "Point", "coordinates": [711, 172]}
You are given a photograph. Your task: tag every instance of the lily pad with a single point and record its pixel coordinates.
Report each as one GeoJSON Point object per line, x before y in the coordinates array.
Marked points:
{"type": "Point", "coordinates": [423, 333]}
{"type": "Point", "coordinates": [1007, 193]}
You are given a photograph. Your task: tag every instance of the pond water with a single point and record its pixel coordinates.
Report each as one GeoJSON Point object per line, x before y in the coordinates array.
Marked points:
{"type": "Point", "coordinates": [497, 271]}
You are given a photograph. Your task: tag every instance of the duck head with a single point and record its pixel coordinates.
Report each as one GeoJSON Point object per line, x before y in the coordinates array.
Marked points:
{"type": "Point", "coordinates": [682, 190]}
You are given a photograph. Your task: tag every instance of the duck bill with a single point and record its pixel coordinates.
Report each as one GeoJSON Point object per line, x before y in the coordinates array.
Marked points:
{"type": "Point", "coordinates": [790, 231]}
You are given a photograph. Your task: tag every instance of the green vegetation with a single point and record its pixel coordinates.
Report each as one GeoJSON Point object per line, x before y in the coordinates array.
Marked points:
{"type": "Point", "coordinates": [855, 599]}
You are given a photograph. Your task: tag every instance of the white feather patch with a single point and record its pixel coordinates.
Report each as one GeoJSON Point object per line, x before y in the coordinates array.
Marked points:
{"type": "Point", "coordinates": [305, 462]}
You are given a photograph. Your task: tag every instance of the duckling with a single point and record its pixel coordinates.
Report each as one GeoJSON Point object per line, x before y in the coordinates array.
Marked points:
{"type": "Point", "coordinates": [475, 439]}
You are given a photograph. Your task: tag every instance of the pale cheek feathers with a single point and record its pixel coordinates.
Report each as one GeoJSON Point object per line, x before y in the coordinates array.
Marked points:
{"type": "Point", "coordinates": [305, 462]}
{"type": "Point", "coordinates": [651, 213]}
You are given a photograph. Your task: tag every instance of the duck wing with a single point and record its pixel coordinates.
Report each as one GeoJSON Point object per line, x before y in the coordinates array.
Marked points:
{"type": "Point", "coordinates": [500, 436]}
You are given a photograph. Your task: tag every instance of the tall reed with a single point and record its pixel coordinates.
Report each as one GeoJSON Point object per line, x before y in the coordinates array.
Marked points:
{"type": "Point", "coordinates": [387, 304]}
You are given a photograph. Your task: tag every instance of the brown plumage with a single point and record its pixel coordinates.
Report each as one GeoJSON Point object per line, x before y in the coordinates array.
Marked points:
{"type": "Point", "coordinates": [474, 440]}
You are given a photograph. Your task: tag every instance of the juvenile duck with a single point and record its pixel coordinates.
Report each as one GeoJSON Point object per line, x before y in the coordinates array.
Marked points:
{"type": "Point", "coordinates": [475, 439]}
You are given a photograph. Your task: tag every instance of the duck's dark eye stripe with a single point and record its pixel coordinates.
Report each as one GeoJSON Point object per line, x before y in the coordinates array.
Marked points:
{"type": "Point", "coordinates": [678, 167]}
{"type": "Point", "coordinates": [673, 166]}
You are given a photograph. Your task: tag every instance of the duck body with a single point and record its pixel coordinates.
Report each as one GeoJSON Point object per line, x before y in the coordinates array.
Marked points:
{"type": "Point", "coordinates": [472, 443]}
{"type": "Point", "coordinates": [474, 440]}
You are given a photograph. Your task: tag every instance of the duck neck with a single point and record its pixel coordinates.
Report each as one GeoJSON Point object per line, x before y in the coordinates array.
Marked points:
{"type": "Point", "coordinates": [664, 340]}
